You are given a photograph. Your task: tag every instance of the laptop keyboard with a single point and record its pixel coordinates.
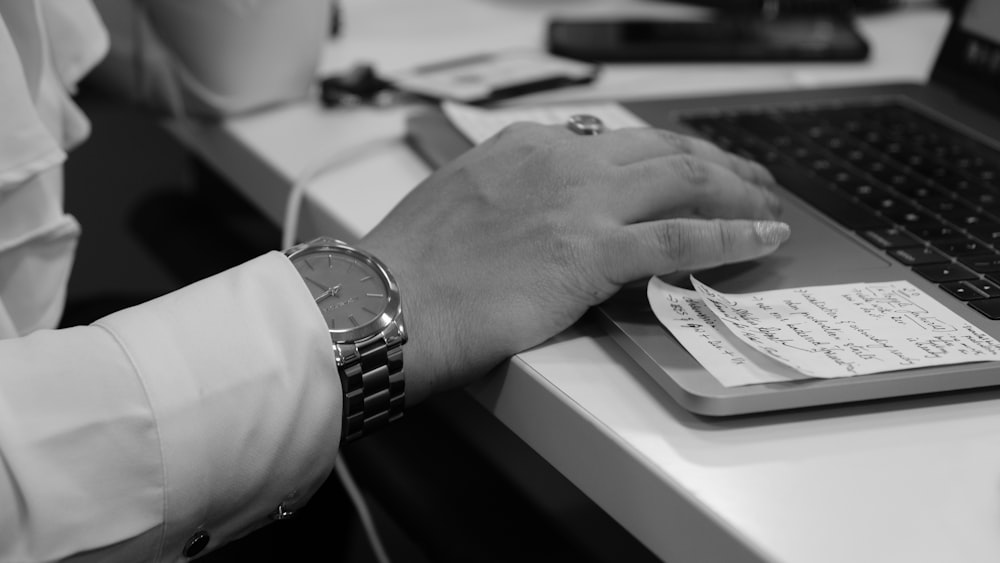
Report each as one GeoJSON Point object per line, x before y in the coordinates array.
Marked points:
{"type": "Point", "coordinates": [922, 192]}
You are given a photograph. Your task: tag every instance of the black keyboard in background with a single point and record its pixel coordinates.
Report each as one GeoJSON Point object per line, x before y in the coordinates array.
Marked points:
{"type": "Point", "coordinates": [926, 194]}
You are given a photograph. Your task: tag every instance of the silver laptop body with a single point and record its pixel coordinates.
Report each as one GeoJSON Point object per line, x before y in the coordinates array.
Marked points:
{"type": "Point", "coordinates": [963, 95]}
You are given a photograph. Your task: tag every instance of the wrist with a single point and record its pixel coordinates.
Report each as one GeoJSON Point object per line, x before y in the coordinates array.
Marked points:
{"type": "Point", "coordinates": [441, 351]}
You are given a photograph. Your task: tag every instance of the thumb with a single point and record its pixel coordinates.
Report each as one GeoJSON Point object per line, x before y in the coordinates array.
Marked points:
{"type": "Point", "coordinates": [662, 247]}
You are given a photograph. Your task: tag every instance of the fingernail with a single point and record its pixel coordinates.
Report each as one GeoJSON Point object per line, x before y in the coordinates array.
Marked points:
{"type": "Point", "coordinates": [772, 233]}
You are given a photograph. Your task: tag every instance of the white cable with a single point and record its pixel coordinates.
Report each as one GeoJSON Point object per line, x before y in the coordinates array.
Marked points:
{"type": "Point", "coordinates": [293, 205]}
{"type": "Point", "coordinates": [362, 507]}
{"type": "Point", "coordinates": [289, 233]}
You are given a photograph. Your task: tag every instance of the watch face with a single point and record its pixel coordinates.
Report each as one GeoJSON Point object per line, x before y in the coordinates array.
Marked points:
{"type": "Point", "coordinates": [350, 290]}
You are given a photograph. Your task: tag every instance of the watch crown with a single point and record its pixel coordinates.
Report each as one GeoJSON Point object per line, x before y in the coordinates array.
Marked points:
{"type": "Point", "coordinates": [396, 334]}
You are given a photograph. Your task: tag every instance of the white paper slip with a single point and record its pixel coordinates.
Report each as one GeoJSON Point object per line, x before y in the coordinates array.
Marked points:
{"type": "Point", "coordinates": [479, 124]}
{"type": "Point", "coordinates": [730, 360]}
{"type": "Point", "coordinates": [821, 331]}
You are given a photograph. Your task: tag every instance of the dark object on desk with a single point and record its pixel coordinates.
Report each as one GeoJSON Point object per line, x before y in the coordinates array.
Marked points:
{"type": "Point", "coordinates": [359, 85]}
{"type": "Point", "coordinates": [729, 39]}
{"type": "Point", "coordinates": [476, 79]}
{"type": "Point", "coordinates": [775, 8]}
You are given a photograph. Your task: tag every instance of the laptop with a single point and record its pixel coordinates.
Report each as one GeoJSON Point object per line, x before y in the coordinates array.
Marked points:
{"type": "Point", "coordinates": [879, 183]}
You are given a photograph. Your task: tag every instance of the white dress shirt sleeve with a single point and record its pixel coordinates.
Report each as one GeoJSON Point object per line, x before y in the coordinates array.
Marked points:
{"type": "Point", "coordinates": [197, 413]}
{"type": "Point", "coordinates": [45, 47]}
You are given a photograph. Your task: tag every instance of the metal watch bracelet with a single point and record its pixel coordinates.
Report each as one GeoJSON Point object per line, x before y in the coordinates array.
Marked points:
{"type": "Point", "coordinates": [371, 373]}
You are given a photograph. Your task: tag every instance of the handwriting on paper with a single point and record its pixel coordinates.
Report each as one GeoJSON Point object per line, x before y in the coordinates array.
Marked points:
{"type": "Point", "coordinates": [733, 362]}
{"type": "Point", "coordinates": [823, 331]}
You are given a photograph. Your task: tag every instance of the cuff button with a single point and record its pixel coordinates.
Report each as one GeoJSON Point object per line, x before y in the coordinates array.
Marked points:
{"type": "Point", "coordinates": [196, 544]}
{"type": "Point", "coordinates": [282, 513]}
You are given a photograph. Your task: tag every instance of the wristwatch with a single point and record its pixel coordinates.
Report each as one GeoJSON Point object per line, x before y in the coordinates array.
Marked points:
{"type": "Point", "coordinates": [360, 302]}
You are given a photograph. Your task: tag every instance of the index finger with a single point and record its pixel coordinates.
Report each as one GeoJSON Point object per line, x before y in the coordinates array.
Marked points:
{"type": "Point", "coordinates": [662, 247]}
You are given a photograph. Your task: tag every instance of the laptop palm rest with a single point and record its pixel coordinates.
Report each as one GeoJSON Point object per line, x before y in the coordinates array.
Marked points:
{"type": "Point", "coordinates": [818, 253]}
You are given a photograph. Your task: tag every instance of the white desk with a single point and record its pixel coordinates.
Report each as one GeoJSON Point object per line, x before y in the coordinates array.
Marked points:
{"type": "Point", "coordinates": [905, 481]}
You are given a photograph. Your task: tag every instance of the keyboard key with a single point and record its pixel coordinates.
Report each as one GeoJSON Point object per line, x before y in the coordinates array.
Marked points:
{"type": "Point", "coordinates": [886, 203]}
{"type": "Point", "coordinates": [941, 273]}
{"type": "Point", "coordinates": [933, 233]}
{"type": "Point", "coordinates": [961, 247]}
{"type": "Point", "coordinates": [917, 191]}
{"type": "Point", "coordinates": [993, 277]}
{"type": "Point", "coordinates": [963, 290]}
{"type": "Point", "coordinates": [990, 213]}
{"type": "Point", "coordinates": [890, 238]}
{"type": "Point", "coordinates": [949, 182]}
{"type": "Point", "coordinates": [867, 193]}
{"type": "Point", "coordinates": [918, 256]}
{"type": "Point", "coordinates": [985, 287]}
{"type": "Point", "coordinates": [988, 307]}
{"type": "Point", "coordinates": [982, 196]}
{"type": "Point", "coordinates": [908, 215]}
{"type": "Point", "coordinates": [982, 263]}
{"type": "Point", "coordinates": [987, 231]}
{"type": "Point", "coordinates": [960, 214]}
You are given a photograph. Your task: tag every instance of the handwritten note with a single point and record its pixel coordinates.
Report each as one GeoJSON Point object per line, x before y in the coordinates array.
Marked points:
{"type": "Point", "coordinates": [822, 331]}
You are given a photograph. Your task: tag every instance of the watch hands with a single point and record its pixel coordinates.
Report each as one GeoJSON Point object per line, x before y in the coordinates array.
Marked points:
{"type": "Point", "coordinates": [332, 292]}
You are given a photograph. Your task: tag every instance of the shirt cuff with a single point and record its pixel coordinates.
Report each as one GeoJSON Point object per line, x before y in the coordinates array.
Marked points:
{"type": "Point", "coordinates": [242, 382]}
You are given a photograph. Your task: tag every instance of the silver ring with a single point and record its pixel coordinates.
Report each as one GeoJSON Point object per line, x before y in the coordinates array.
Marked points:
{"type": "Point", "coordinates": [584, 124]}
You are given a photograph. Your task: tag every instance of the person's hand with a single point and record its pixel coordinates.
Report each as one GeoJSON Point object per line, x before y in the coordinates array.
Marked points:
{"type": "Point", "coordinates": [513, 241]}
